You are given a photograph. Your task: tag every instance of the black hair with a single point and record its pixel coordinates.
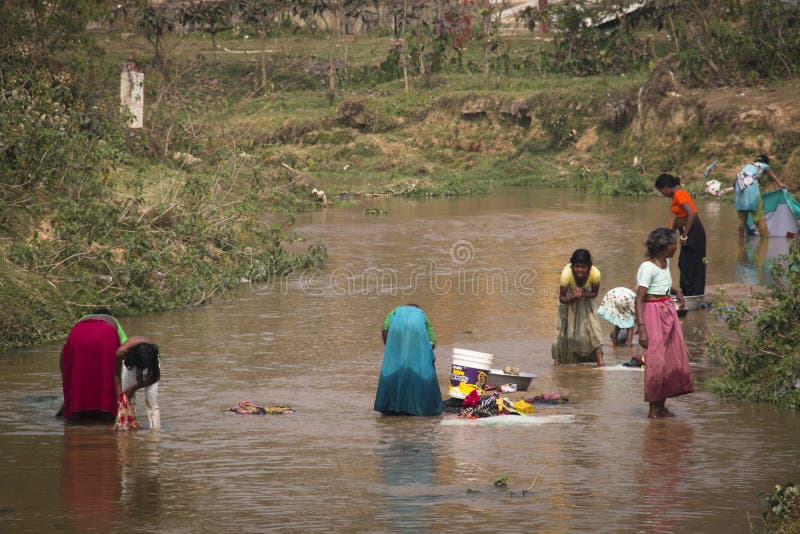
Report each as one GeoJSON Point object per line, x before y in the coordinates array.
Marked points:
{"type": "Point", "coordinates": [762, 158]}
{"type": "Point", "coordinates": [144, 357]}
{"type": "Point", "coordinates": [102, 311]}
{"type": "Point", "coordinates": [581, 256]}
{"type": "Point", "coordinates": [667, 180]}
{"type": "Point", "coordinates": [658, 240]}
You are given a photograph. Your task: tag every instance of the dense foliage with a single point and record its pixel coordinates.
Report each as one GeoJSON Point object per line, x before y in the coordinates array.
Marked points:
{"type": "Point", "coordinates": [710, 43]}
{"type": "Point", "coordinates": [762, 361]}
{"type": "Point", "coordinates": [723, 42]}
{"type": "Point", "coordinates": [72, 237]}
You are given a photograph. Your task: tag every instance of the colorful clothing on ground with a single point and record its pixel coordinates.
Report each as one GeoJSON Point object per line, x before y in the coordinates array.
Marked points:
{"type": "Point", "coordinates": [617, 307]}
{"type": "Point", "coordinates": [88, 365]}
{"type": "Point", "coordinates": [408, 383]}
{"type": "Point", "coordinates": [577, 332]}
{"type": "Point", "coordinates": [666, 373]}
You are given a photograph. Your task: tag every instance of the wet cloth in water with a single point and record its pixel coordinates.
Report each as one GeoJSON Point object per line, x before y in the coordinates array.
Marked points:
{"type": "Point", "coordinates": [408, 383]}
{"type": "Point", "coordinates": [126, 415]}
{"type": "Point", "coordinates": [666, 373]}
{"type": "Point", "coordinates": [617, 307]}
{"type": "Point", "coordinates": [578, 333]}
{"type": "Point", "coordinates": [548, 398]}
{"type": "Point", "coordinates": [248, 408]}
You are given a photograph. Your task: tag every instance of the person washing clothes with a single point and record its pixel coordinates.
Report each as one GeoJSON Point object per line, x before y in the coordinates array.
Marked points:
{"type": "Point", "coordinates": [747, 194]}
{"type": "Point", "coordinates": [686, 221]}
{"type": "Point", "coordinates": [617, 307]}
{"type": "Point", "coordinates": [408, 383]}
{"type": "Point", "coordinates": [578, 335]}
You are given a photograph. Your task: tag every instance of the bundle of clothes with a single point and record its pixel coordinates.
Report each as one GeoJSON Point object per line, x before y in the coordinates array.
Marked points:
{"type": "Point", "coordinates": [479, 404]}
{"type": "Point", "coordinates": [248, 408]}
{"type": "Point", "coordinates": [636, 361]}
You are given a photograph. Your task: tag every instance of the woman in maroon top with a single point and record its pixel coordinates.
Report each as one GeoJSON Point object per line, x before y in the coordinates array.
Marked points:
{"type": "Point", "coordinates": [686, 221]}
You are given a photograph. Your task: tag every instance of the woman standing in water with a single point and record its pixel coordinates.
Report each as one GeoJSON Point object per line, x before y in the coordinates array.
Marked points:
{"type": "Point", "coordinates": [578, 335]}
{"type": "Point", "coordinates": [98, 362]}
{"type": "Point", "coordinates": [692, 235]}
{"type": "Point", "coordinates": [408, 383]}
{"type": "Point", "coordinates": [667, 371]}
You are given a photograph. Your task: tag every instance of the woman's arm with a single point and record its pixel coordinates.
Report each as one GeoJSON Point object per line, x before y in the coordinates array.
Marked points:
{"type": "Point", "coordinates": [641, 291]}
{"type": "Point", "coordinates": [562, 295]}
{"type": "Point", "coordinates": [592, 293]}
{"type": "Point", "coordinates": [691, 216]}
{"type": "Point", "coordinates": [121, 352]}
{"type": "Point", "coordinates": [679, 297]}
{"type": "Point", "coordinates": [775, 177]}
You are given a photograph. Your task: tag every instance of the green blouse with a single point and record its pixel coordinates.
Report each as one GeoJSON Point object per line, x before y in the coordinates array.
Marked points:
{"type": "Point", "coordinates": [428, 325]}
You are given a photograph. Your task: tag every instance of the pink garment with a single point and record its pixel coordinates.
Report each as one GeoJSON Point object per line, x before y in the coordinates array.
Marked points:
{"type": "Point", "coordinates": [88, 362]}
{"type": "Point", "coordinates": [666, 372]}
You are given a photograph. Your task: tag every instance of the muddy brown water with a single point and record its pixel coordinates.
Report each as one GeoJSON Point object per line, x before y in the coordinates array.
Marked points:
{"type": "Point", "coordinates": [486, 271]}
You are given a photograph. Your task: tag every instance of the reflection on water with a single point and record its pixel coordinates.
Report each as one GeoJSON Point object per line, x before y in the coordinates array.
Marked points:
{"type": "Point", "coordinates": [408, 466]}
{"type": "Point", "coordinates": [486, 270]}
{"type": "Point", "coordinates": [756, 256]}
{"type": "Point", "coordinates": [90, 477]}
{"type": "Point", "coordinates": [665, 462]}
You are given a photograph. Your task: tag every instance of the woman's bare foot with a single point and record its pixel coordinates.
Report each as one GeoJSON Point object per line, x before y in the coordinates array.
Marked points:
{"type": "Point", "coordinates": [600, 362]}
{"type": "Point", "coordinates": [658, 410]}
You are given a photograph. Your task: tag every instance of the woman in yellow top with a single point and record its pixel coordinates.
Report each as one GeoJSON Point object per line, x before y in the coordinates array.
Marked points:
{"type": "Point", "coordinates": [687, 223]}
{"type": "Point", "coordinates": [578, 335]}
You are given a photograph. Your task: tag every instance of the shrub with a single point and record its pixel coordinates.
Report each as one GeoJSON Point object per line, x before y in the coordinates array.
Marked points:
{"type": "Point", "coordinates": [762, 361]}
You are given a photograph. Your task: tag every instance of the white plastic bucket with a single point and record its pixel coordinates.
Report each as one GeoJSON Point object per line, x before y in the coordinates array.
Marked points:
{"type": "Point", "coordinates": [469, 372]}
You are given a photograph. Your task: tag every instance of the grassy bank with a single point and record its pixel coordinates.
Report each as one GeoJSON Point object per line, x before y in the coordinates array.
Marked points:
{"type": "Point", "coordinates": [179, 212]}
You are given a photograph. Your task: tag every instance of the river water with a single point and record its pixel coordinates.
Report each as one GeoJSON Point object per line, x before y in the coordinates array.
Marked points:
{"type": "Point", "coordinates": [486, 271]}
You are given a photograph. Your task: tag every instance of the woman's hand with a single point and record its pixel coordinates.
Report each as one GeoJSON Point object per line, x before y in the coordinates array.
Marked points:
{"type": "Point", "coordinates": [643, 338]}
{"type": "Point", "coordinates": [680, 299]}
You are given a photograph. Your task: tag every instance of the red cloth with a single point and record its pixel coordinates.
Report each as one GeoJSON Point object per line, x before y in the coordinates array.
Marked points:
{"type": "Point", "coordinates": [666, 370]}
{"type": "Point", "coordinates": [126, 415]}
{"type": "Point", "coordinates": [88, 362]}
{"type": "Point", "coordinates": [473, 399]}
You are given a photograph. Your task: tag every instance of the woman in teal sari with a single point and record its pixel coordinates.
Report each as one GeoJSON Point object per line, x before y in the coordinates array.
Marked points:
{"type": "Point", "coordinates": [408, 383]}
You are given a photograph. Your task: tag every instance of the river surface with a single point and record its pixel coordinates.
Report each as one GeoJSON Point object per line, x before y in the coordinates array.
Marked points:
{"type": "Point", "coordinates": [486, 271]}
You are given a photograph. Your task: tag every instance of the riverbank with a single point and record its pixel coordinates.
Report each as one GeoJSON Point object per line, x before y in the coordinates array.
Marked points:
{"type": "Point", "coordinates": [181, 211]}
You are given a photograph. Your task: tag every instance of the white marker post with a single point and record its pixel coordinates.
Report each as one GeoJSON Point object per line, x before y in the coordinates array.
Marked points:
{"type": "Point", "coordinates": [131, 93]}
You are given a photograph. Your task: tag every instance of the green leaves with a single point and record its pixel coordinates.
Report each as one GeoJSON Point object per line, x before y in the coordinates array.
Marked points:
{"type": "Point", "coordinates": [762, 361]}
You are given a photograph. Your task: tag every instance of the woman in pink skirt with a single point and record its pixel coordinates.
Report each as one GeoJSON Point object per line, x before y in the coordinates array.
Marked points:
{"type": "Point", "coordinates": [666, 373]}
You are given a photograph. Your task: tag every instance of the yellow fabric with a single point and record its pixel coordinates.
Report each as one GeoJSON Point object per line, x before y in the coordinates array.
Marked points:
{"type": "Point", "coordinates": [523, 407]}
{"type": "Point", "coordinates": [568, 279]}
